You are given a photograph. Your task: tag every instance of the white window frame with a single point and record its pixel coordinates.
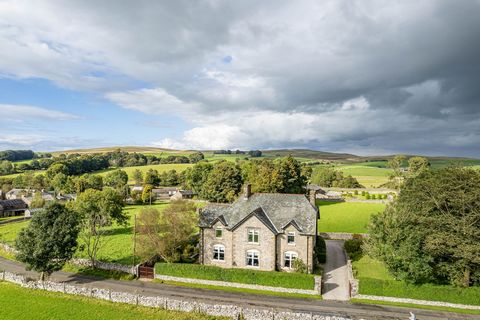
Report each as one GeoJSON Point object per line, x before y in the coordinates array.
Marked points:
{"type": "Point", "coordinates": [221, 232]}
{"type": "Point", "coordinates": [290, 257]}
{"type": "Point", "coordinates": [255, 234]}
{"type": "Point", "coordinates": [291, 233]}
{"type": "Point", "coordinates": [218, 252]}
{"type": "Point", "coordinates": [252, 255]}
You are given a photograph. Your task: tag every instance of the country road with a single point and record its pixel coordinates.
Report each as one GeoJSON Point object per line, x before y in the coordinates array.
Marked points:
{"type": "Point", "coordinates": [335, 280]}
{"type": "Point", "coordinates": [344, 309]}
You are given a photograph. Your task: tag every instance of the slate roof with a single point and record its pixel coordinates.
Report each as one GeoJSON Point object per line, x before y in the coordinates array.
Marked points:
{"type": "Point", "coordinates": [13, 204]}
{"type": "Point", "coordinates": [275, 210]}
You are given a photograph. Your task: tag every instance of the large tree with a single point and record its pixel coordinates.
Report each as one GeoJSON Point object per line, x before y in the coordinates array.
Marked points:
{"type": "Point", "coordinates": [223, 183]}
{"type": "Point", "coordinates": [431, 233]}
{"type": "Point", "coordinates": [291, 176]}
{"type": "Point", "coordinates": [167, 234]}
{"type": "Point", "coordinates": [417, 165]}
{"type": "Point", "coordinates": [50, 239]}
{"type": "Point", "coordinates": [118, 180]}
{"type": "Point", "coordinates": [98, 210]}
{"type": "Point", "coordinates": [196, 176]}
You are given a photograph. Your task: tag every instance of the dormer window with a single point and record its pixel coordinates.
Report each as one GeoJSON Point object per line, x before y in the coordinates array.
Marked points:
{"type": "Point", "coordinates": [218, 232]}
{"type": "Point", "coordinates": [291, 238]}
{"type": "Point", "coordinates": [252, 235]}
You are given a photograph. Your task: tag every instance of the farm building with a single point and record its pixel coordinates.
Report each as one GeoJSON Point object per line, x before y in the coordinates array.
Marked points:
{"type": "Point", "coordinates": [12, 207]}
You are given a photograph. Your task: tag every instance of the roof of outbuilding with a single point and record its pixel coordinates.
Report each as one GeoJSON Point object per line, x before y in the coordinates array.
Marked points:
{"type": "Point", "coordinates": [13, 204]}
{"type": "Point", "coordinates": [275, 210]}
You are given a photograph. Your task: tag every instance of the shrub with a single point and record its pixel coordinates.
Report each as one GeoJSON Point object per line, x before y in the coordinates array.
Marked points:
{"type": "Point", "coordinates": [367, 196]}
{"type": "Point", "coordinates": [299, 266]}
{"type": "Point", "coordinates": [374, 197]}
{"type": "Point", "coordinates": [320, 250]}
{"type": "Point", "coordinates": [363, 193]}
{"type": "Point", "coordinates": [355, 192]}
{"type": "Point", "coordinates": [354, 248]}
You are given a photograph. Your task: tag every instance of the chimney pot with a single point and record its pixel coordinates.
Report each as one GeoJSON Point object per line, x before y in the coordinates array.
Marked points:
{"type": "Point", "coordinates": [248, 191]}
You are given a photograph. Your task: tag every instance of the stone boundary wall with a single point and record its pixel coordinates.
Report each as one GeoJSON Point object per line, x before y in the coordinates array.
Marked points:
{"type": "Point", "coordinates": [185, 305]}
{"type": "Point", "coordinates": [315, 291]}
{"type": "Point", "coordinates": [15, 220]}
{"type": "Point", "coordinates": [418, 302]}
{"type": "Point", "coordinates": [87, 263]}
{"type": "Point", "coordinates": [351, 279]}
{"type": "Point", "coordinates": [340, 235]}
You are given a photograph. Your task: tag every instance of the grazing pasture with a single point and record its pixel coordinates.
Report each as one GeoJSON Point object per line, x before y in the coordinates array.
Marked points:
{"type": "Point", "coordinates": [350, 217]}
{"type": "Point", "coordinates": [25, 304]}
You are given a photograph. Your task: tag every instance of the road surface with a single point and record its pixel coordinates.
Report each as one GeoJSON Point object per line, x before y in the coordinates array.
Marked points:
{"type": "Point", "coordinates": [344, 309]}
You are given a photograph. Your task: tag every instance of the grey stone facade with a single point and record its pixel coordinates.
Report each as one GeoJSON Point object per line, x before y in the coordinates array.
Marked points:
{"type": "Point", "coordinates": [272, 217]}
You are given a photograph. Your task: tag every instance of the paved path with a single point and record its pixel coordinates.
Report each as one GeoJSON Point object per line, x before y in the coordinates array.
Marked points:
{"type": "Point", "coordinates": [335, 280]}
{"type": "Point", "coordinates": [353, 311]}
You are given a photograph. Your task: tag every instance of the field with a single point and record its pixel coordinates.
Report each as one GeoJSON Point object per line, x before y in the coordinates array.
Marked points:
{"type": "Point", "coordinates": [368, 176]}
{"type": "Point", "coordinates": [265, 278]}
{"type": "Point", "coordinates": [117, 246]}
{"type": "Point", "coordinates": [350, 217]}
{"type": "Point", "coordinates": [179, 167]}
{"type": "Point", "coordinates": [24, 304]}
{"type": "Point", "coordinates": [375, 280]}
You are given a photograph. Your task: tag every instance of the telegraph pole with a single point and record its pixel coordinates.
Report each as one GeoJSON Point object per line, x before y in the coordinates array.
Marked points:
{"type": "Point", "coordinates": [134, 237]}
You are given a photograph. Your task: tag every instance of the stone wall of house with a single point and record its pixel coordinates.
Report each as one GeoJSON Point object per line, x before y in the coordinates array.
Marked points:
{"type": "Point", "coordinates": [303, 247]}
{"type": "Point", "coordinates": [185, 305]}
{"type": "Point", "coordinates": [265, 246]}
{"type": "Point", "coordinates": [210, 240]}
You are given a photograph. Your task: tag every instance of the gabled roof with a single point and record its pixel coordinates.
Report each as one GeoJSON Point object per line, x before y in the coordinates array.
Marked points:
{"type": "Point", "coordinates": [260, 215]}
{"type": "Point", "coordinates": [13, 204]}
{"type": "Point", "coordinates": [276, 210]}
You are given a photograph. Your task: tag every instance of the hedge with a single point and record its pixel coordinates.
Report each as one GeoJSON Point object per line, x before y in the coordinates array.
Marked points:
{"type": "Point", "coordinates": [264, 278]}
{"type": "Point", "coordinates": [432, 292]}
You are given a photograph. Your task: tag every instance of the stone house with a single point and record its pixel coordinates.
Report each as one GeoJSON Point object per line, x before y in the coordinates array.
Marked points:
{"type": "Point", "coordinates": [182, 194]}
{"type": "Point", "coordinates": [264, 231]}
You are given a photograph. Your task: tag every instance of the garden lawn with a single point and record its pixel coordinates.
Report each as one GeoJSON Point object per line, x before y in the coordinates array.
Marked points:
{"type": "Point", "coordinates": [375, 280]}
{"type": "Point", "coordinates": [25, 304]}
{"type": "Point", "coordinates": [349, 217]}
{"type": "Point", "coordinates": [264, 278]}
{"type": "Point", "coordinates": [117, 245]}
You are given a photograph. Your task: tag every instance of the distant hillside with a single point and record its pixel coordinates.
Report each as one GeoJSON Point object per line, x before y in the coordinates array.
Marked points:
{"type": "Point", "coordinates": [110, 149]}
{"type": "Point", "coordinates": [311, 154]}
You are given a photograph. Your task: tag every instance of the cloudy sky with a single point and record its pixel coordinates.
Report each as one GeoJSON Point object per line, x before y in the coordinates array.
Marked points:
{"type": "Point", "coordinates": [364, 77]}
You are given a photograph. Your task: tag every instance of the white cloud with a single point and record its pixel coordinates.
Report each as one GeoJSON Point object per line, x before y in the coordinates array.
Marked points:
{"type": "Point", "coordinates": [19, 113]}
{"type": "Point", "coordinates": [150, 101]}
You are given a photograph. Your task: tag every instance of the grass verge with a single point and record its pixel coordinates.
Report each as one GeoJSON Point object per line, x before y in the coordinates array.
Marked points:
{"type": "Point", "coordinates": [241, 290]}
{"type": "Point", "coordinates": [24, 304]}
{"type": "Point", "coordinates": [415, 306]}
{"type": "Point", "coordinates": [264, 278]}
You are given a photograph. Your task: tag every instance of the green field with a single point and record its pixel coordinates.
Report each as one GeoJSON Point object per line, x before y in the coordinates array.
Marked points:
{"type": "Point", "coordinates": [368, 176]}
{"type": "Point", "coordinates": [117, 244]}
{"type": "Point", "coordinates": [375, 280]}
{"type": "Point", "coordinates": [179, 167]}
{"type": "Point", "coordinates": [350, 217]}
{"type": "Point", "coordinates": [265, 278]}
{"type": "Point", "coordinates": [25, 304]}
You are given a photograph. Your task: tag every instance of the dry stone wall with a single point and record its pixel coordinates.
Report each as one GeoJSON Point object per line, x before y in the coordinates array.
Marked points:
{"type": "Point", "coordinates": [229, 311]}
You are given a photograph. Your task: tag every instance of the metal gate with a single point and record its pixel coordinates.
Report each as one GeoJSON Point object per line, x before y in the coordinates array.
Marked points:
{"type": "Point", "coordinates": [146, 272]}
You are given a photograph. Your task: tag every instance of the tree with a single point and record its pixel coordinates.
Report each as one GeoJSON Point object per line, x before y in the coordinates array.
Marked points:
{"type": "Point", "coordinates": [138, 177]}
{"type": "Point", "coordinates": [37, 201]}
{"type": "Point", "coordinates": [290, 172]}
{"type": "Point", "coordinates": [417, 165]}
{"type": "Point", "coordinates": [431, 232]}
{"type": "Point", "coordinates": [6, 167]}
{"type": "Point", "coordinates": [147, 194]}
{"type": "Point", "coordinates": [223, 183]}
{"type": "Point", "coordinates": [55, 169]}
{"type": "Point", "coordinates": [255, 153]}
{"type": "Point", "coordinates": [166, 234]}
{"type": "Point", "coordinates": [196, 157]}
{"type": "Point", "coordinates": [88, 181]}
{"type": "Point", "coordinates": [49, 240]}
{"type": "Point", "coordinates": [196, 176]}
{"type": "Point", "coordinates": [397, 176]}
{"type": "Point", "coordinates": [151, 177]}
{"type": "Point", "coordinates": [118, 180]}
{"type": "Point", "coordinates": [99, 210]}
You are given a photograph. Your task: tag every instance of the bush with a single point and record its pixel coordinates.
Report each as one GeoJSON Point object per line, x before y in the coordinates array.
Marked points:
{"type": "Point", "coordinates": [374, 197]}
{"type": "Point", "coordinates": [355, 192]}
{"type": "Point", "coordinates": [367, 196]}
{"type": "Point", "coordinates": [265, 278]}
{"type": "Point", "coordinates": [320, 250]}
{"type": "Point", "coordinates": [299, 266]}
{"type": "Point", "coordinates": [354, 248]}
{"type": "Point", "coordinates": [363, 193]}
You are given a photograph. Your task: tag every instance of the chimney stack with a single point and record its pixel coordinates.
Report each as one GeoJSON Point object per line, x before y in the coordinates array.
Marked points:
{"type": "Point", "coordinates": [312, 197]}
{"type": "Point", "coordinates": [248, 191]}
